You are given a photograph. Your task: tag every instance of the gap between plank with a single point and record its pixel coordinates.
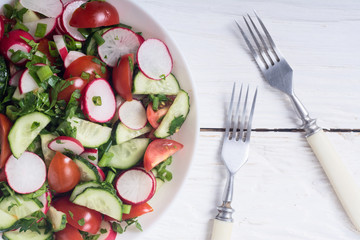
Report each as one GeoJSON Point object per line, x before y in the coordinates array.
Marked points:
{"type": "Point", "coordinates": [281, 130]}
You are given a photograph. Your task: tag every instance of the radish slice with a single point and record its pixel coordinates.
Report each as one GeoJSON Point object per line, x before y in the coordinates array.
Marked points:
{"type": "Point", "coordinates": [66, 16]}
{"type": "Point", "coordinates": [50, 26]}
{"type": "Point", "coordinates": [132, 114]}
{"type": "Point", "coordinates": [66, 144]}
{"type": "Point", "coordinates": [25, 174]}
{"type": "Point", "coordinates": [136, 186]}
{"type": "Point", "coordinates": [100, 171]}
{"type": "Point", "coordinates": [61, 46]}
{"type": "Point", "coordinates": [49, 8]}
{"type": "Point", "coordinates": [118, 41]}
{"type": "Point", "coordinates": [44, 199]}
{"type": "Point", "coordinates": [14, 80]}
{"type": "Point", "coordinates": [72, 56]}
{"type": "Point", "coordinates": [99, 103]}
{"type": "Point", "coordinates": [154, 59]}
{"type": "Point", "coordinates": [91, 154]}
{"type": "Point", "coordinates": [59, 26]}
{"type": "Point", "coordinates": [27, 83]}
{"type": "Point", "coordinates": [106, 232]}
{"type": "Point", "coordinates": [24, 47]}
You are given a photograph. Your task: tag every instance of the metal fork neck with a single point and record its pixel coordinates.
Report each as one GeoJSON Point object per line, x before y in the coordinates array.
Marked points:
{"type": "Point", "coordinates": [309, 124]}
{"type": "Point", "coordinates": [225, 210]}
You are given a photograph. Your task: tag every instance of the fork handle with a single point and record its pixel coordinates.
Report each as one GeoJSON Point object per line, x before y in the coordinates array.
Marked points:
{"type": "Point", "coordinates": [222, 230]}
{"type": "Point", "coordinates": [340, 178]}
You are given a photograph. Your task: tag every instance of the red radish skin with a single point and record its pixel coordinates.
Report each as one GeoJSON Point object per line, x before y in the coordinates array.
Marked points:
{"type": "Point", "coordinates": [61, 46]}
{"type": "Point", "coordinates": [66, 16]}
{"type": "Point", "coordinates": [26, 174]}
{"type": "Point", "coordinates": [72, 56]}
{"type": "Point", "coordinates": [100, 171]}
{"type": "Point", "coordinates": [13, 40]}
{"type": "Point", "coordinates": [98, 102]}
{"type": "Point", "coordinates": [49, 8]}
{"type": "Point", "coordinates": [14, 80]}
{"type": "Point", "coordinates": [50, 26]}
{"type": "Point", "coordinates": [132, 114]}
{"type": "Point", "coordinates": [2, 28]}
{"type": "Point", "coordinates": [110, 234]}
{"type": "Point", "coordinates": [118, 42]}
{"type": "Point", "coordinates": [66, 144]}
{"type": "Point", "coordinates": [27, 83]}
{"type": "Point", "coordinates": [90, 154]}
{"type": "Point", "coordinates": [154, 59]}
{"type": "Point", "coordinates": [44, 199]}
{"type": "Point", "coordinates": [135, 186]}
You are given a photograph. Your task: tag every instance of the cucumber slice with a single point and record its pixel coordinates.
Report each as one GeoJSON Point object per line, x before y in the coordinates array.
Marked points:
{"type": "Point", "coordinates": [26, 207]}
{"type": "Point", "coordinates": [175, 117]}
{"type": "Point", "coordinates": [100, 200]}
{"type": "Point", "coordinates": [87, 170]}
{"type": "Point", "coordinates": [17, 95]}
{"type": "Point", "coordinates": [125, 155]}
{"type": "Point", "coordinates": [145, 85]}
{"type": "Point", "coordinates": [47, 152]}
{"type": "Point", "coordinates": [25, 130]}
{"type": "Point", "coordinates": [90, 134]}
{"type": "Point", "coordinates": [28, 235]}
{"type": "Point", "coordinates": [81, 187]}
{"type": "Point", "coordinates": [57, 219]}
{"type": "Point", "coordinates": [6, 221]}
{"type": "Point", "coordinates": [124, 133]}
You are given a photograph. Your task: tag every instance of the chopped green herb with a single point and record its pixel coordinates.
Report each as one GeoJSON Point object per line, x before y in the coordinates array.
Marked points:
{"type": "Point", "coordinates": [81, 222]}
{"type": "Point", "coordinates": [40, 30]}
{"type": "Point", "coordinates": [103, 230]}
{"type": "Point", "coordinates": [96, 100]}
{"type": "Point", "coordinates": [176, 124]}
{"type": "Point", "coordinates": [93, 158]}
{"type": "Point", "coordinates": [34, 125]}
{"type": "Point", "coordinates": [85, 75]}
{"type": "Point", "coordinates": [71, 214]}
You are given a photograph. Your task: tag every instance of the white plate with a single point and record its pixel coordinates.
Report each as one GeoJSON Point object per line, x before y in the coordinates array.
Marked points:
{"type": "Point", "coordinates": [133, 15]}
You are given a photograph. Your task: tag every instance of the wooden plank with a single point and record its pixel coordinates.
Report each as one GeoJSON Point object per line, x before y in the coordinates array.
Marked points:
{"type": "Point", "coordinates": [318, 39]}
{"type": "Point", "coordinates": [281, 193]}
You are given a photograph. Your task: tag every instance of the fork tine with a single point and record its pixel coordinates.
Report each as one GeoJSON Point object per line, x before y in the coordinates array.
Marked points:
{"type": "Point", "coordinates": [259, 52]}
{"type": "Point", "coordinates": [229, 113]}
{"type": "Point", "coordinates": [236, 123]}
{"type": "Point", "coordinates": [253, 52]}
{"type": "Point", "coordinates": [262, 40]}
{"type": "Point", "coordinates": [271, 41]}
{"type": "Point", "coordinates": [242, 124]}
{"type": "Point", "coordinates": [248, 131]}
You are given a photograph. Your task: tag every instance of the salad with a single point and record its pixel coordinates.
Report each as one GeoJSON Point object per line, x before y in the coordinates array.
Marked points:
{"type": "Point", "coordinates": [86, 108]}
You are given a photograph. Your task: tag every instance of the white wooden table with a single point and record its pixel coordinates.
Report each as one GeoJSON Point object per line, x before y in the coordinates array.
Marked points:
{"type": "Point", "coordinates": [282, 192]}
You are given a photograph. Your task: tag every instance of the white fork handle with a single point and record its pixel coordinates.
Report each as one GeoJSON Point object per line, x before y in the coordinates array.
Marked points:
{"type": "Point", "coordinates": [340, 178]}
{"type": "Point", "coordinates": [221, 230]}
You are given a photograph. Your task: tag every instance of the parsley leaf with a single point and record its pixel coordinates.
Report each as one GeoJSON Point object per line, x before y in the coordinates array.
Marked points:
{"type": "Point", "coordinates": [176, 124]}
{"type": "Point", "coordinates": [81, 222]}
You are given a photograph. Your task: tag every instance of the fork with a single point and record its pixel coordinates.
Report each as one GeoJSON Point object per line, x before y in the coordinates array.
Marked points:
{"type": "Point", "coordinates": [278, 73]}
{"type": "Point", "coordinates": [234, 153]}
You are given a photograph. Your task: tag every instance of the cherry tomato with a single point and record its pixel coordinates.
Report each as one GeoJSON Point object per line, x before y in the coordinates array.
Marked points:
{"type": "Point", "coordinates": [138, 210]}
{"type": "Point", "coordinates": [122, 76]}
{"type": "Point", "coordinates": [5, 125]}
{"type": "Point", "coordinates": [78, 83]}
{"type": "Point", "coordinates": [2, 27]}
{"type": "Point", "coordinates": [86, 64]}
{"type": "Point", "coordinates": [69, 232]}
{"type": "Point", "coordinates": [95, 14]}
{"type": "Point", "coordinates": [44, 48]}
{"type": "Point", "coordinates": [159, 150]}
{"type": "Point", "coordinates": [63, 174]}
{"type": "Point", "coordinates": [89, 219]}
{"type": "Point", "coordinates": [154, 117]}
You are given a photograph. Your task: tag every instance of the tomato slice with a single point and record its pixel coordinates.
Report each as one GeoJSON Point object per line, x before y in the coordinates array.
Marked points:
{"type": "Point", "coordinates": [44, 48]}
{"type": "Point", "coordinates": [154, 117]}
{"type": "Point", "coordinates": [67, 233]}
{"type": "Point", "coordinates": [95, 14]}
{"type": "Point", "coordinates": [158, 151]}
{"type": "Point", "coordinates": [2, 175]}
{"type": "Point", "coordinates": [63, 174]}
{"type": "Point", "coordinates": [88, 64]}
{"type": "Point", "coordinates": [78, 83]}
{"type": "Point", "coordinates": [122, 76]}
{"type": "Point", "coordinates": [5, 125]}
{"type": "Point", "coordinates": [79, 217]}
{"type": "Point", "coordinates": [138, 210]}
